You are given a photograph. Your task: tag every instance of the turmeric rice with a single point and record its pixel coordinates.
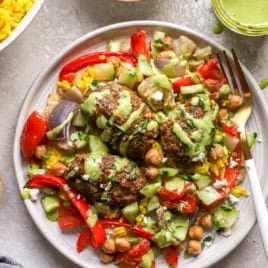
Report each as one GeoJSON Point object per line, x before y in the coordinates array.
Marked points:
{"type": "Point", "coordinates": [11, 13]}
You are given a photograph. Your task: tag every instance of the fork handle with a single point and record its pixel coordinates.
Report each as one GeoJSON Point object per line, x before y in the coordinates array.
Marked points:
{"type": "Point", "coordinates": [259, 202]}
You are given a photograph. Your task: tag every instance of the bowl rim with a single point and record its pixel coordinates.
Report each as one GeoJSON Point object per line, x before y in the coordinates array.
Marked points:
{"type": "Point", "coordinates": [23, 24]}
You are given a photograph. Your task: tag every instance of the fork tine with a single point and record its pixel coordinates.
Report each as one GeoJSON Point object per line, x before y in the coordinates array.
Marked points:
{"type": "Point", "coordinates": [221, 65]}
{"type": "Point", "coordinates": [241, 76]}
{"type": "Point", "coordinates": [230, 69]}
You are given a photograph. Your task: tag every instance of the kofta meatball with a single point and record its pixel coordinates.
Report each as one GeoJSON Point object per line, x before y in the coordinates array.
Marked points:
{"type": "Point", "coordinates": [124, 120]}
{"type": "Point", "coordinates": [102, 177]}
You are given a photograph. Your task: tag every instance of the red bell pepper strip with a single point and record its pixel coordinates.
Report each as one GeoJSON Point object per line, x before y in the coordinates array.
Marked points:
{"type": "Point", "coordinates": [33, 132]}
{"type": "Point", "coordinates": [171, 256]}
{"type": "Point", "coordinates": [97, 231]}
{"type": "Point", "coordinates": [171, 199]}
{"type": "Point", "coordinates": [210, 70]}
{"type": "Point", "coordinates": [83, 240]}
{"type": "Point", "coordinates": [94, 58]}
{"type": "Point", "coordinates": [231, 129]}
{"type": "Point", "coordinates": [70, 77]}
{"type": "Point", "coordinates": [69, 217]}
{"type": "Point", "coordinates": [135, 229]}
{"type": "Point", "coordinates": [182, 82]}
{"type": "Point", "coordinates": [189, 202]}
{"type": "Point", "coordinates": [139, 45]}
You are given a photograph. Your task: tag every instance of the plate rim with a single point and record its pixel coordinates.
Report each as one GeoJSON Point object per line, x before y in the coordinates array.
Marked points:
{"type": "Point", "coordinates": [55, 61]}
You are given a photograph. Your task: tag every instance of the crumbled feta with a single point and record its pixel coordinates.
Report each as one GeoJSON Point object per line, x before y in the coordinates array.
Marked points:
{"type": "Point", "coordinates": [208, 243]}
{"type": "Point", "coordinates": [233, 163]}
{"type": "Point", "coordinates": [85, 177]}
{"type": "Point", "coordinates": [164, 160]}
{"type": "Point", "coordinates": [145, 219]}
{"type": "Point", "coordinates": [78, 196]}
{"type": "Point", "coordinates": [201, 157]}
{"type": "Point", "coordinates": [34, 194]}
{"type": "Point", "coordinates": [227, 233]}
{"type": "Point", "coordinates": [220, 183]}
{"type": "Point", "coordinates": [233, 199]}
{"type": "Point", "coordinates": [157, 96]}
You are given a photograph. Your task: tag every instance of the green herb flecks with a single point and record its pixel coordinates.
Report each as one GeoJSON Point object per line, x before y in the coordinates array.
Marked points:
{"type": "Point", "coordinates": [218, 28]}
{"type": "Point", "coordinates": [142, 127]}
{"type": "Point", "coordinates": [227, 208]}
{"type": "Point", "coordinates": [263, 83]}
{"type": "Point", "coordinates": [206, 240]}
{"type": "Point", "coordinates": [133, 171]}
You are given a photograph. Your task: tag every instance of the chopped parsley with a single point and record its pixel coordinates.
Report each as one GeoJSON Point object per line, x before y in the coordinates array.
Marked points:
{"type": "Point", "coordinates": [133, 171]}
{"type": "Point", "coordinates": [207, 239]}
{"type": "Point", "coordinates": [227, 208]}
{"type": "Point", "coordinates": [142, 127]}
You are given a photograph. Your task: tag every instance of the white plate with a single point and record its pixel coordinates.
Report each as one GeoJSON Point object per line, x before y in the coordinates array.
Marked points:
{"type": "Point", "coordinates": [25, 22]}
{"type": "Point", "coordinates": [36, 100]}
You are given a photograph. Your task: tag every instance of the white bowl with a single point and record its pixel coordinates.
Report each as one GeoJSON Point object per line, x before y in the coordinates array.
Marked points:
{"type": "Point", "coordinates": [25, 22]}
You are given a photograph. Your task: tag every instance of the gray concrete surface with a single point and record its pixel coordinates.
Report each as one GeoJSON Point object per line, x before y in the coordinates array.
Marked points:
{"type": "Point", "coordinates": [59, 23]}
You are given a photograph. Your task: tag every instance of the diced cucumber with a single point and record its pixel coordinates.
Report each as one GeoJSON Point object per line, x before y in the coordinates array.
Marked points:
{"type": "Point", "coordinates": [147, 259]}
{"type": "Point", "coordinates": [50, 203]}
{"type": "Point", "coordinates": [161, 81]}
{"type": "Point", "coordinates": [79, 119]}
{"type": "Point", "coordinates": [153, 203]}
{"type": "Point", "coordinates": [131, 211]}
{"type": "Point", "coordinates": [166, 171]}
{"type": "Point", "coordinates": [187, 90]}
{"type": "Point", "coordinates": [25, 193]}
{"type": "Point", "coordinates": [113, 46]}
{"type": "Point", "coordinates": [201, 180]}
{"type": "Point", "coordinates": [150, 189]}
{"type": "Point", "coordinates": [97, 145]}
{"type": "Point", "coordinates": [145, 66]}
{"type": "Point", "coordinates": [176, 183]}
{"type": "Point", "coordinates": [208, 195]}
{"type": "Point", "coordinates": [79, 139]}
{"type": "Point", "coordinates": [170, 69]}
{"type": "Point", "coordinates": [179, 226]}
{"type": "Point", "coordinates": [224, 219]}
{"type": "Point", "coordinates": [104, 71]}
{"type": "Point", "coordinates": [230, 142]}
{"type": "Point", "coordinates": [128, 78]}
{"type": "Point", "coordinates": [163, 239]}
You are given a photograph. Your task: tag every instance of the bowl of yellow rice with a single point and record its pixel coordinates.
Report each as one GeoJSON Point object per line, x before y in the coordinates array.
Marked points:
{"type": "Point", "coordinates": [15, 16]}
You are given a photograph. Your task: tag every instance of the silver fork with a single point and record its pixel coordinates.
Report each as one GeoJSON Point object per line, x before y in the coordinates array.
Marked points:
{"type": "Point", "coordinates": [240, 119]}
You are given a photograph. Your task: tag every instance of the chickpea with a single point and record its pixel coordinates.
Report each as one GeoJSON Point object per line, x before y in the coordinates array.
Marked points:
{"type": "Point", "coordinates": [105, 258]}
{"type": "Point", "coordinates": [210, 84]}
{"type": "Point", "coordinates": [122, 244]}
{"type": "Point", "coordinates": [169, 42]}
{"type": "Point", "coordinates": [196, 232]}
{"type": "Point", "coordinates": [164, 55]}
{"type": "Point", "coordinates": [222, 114]}
{"type": "Point", "coordinates": [153, 157]}
{"type": "Point", "coordinates": [58, 169]}
{"type": "Point", "coordinates": [151, 172]}
{"type": "Point", "coordinates": [40, 151]}
{"type": "Point", "coordinates": [234, 102]}
{"type": "Point", "coordinates": [216, 152]}
{"type": "Point", "coordinates": [180, 247]}
{"type": "Point", "coordinates": [205, 221]}
{"type": "Point", "coordinates": [109, 246]}
{"type": "Point", "coordinates": [194, 247]}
